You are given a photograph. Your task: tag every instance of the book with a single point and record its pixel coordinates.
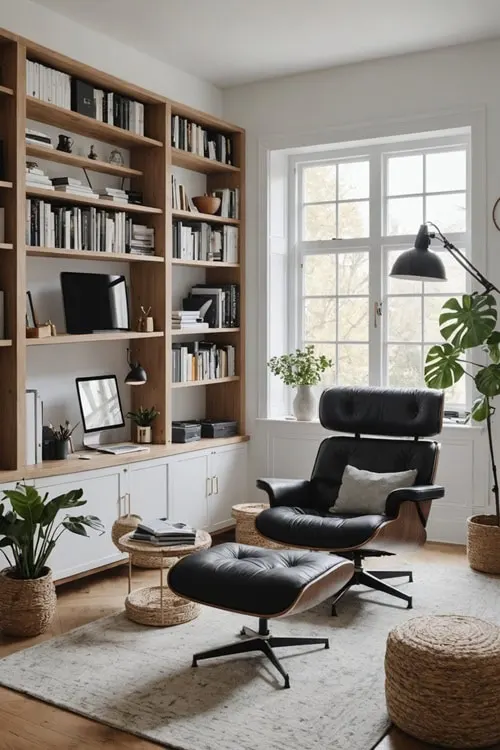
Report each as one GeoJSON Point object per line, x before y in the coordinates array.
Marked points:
{"type": "Point", "coordinates": [163, 525]}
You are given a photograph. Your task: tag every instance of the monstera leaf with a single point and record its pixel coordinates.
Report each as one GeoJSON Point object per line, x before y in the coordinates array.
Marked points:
{"type": "Point", "coordinates": [442, 366]}
{"type": "Point", "coordinates": [480, 409]}
{"type": "Point", "coordinates": [493, 346]}
{"type": "Point", "coordinates": [470, 322]}
{"type": "Point", "coordinates": [488, 381]}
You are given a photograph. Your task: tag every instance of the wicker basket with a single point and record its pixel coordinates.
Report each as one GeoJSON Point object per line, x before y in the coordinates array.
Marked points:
{"type": "Point", "coordinates": [443, 680]}
{"type": "Point", "coordinates": [126, 524]}
{"type": "Point", "coordinates": [483, 544]}
{"type": "Point", "coordinates": [246, 533]}
{"type": "Point", "coordinates": [27, 607]}
{"type": "Point", "coordinates": [144, 606]}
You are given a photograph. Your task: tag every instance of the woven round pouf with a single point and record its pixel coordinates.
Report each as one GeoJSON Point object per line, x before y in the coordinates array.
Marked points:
{"type": "Point", "coordinates": [144, 606]}
{"type": "Point", "coordinates": [246, 533]}
{"type": "Point", "coordinates": [123, 525]}
{"type": "Point", "coordinates": [442, 680]}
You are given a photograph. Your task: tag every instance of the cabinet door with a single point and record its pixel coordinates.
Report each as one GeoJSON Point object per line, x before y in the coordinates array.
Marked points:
{"type": "Point", "coordinates": [228, 470]}
{"type": "Point", "coordinates": [76, 554]}
{"type": "Point", "coordinates": [188, 486]}
{"type": "Point", "coordinates": [148, 491]}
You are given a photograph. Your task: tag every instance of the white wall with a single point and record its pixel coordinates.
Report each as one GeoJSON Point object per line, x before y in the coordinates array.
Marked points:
{"type": "Point", "coordinates": [374, 98]}
{"type": "Point", "coordinates": [63, 35]}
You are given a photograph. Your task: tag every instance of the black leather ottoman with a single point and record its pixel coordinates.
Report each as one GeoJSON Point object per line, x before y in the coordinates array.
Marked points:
{"type": "Point", "coordinates": [263, 583]}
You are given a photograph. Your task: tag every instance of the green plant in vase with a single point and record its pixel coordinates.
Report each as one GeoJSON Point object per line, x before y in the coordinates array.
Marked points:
{"type": "Point", "coordinates": [468, 327]}
{"type": "Point", "coordinates": [302, 369]}
{"type": "Point", "coordinates": [144, 419]}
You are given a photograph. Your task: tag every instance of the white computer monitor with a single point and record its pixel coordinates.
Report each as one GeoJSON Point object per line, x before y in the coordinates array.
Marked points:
{"type": "Point", "coordinates": [100, 403]}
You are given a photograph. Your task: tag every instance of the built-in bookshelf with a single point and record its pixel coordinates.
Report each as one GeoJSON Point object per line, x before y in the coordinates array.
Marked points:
{"type": "Point", "coordinates": [142, 127]}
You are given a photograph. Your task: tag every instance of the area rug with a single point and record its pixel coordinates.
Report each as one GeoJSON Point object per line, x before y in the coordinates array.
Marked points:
{"type": "Point", "coordinates": [140, 679]}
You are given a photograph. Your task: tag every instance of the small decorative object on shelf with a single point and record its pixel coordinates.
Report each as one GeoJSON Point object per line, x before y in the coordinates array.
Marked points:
{"type": "Point", "coordinates": [92, 153]}
{"type": "Point", "coordinates": [301, 369]}
{"type": "Point", "coordinates": [145, 324]}
{"type": "Point", "coordinates": [65, 143]}
{"type": "Point", "coordinates": [40, 332]}
{"type": "Point", "coordinates": [62, 439]}
{"type": "Point", "coordinates": [144, 419]}
{"type": "Point", "coordinates": [30, 312]}
{"type": "Point", "coordinates": [116, 157]}
{"type": "Point", "coordinates": [206, 204]}
{"type": "Point", "coordinates": [30, 532]}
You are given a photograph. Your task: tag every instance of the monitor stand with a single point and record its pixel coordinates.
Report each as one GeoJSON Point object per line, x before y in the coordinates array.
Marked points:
{"type": "Point", "coordinates": [96, 441]}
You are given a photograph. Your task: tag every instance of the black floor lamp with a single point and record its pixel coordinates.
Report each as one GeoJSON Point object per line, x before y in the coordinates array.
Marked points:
{"type": "Point", "coordinates": [419, 264]}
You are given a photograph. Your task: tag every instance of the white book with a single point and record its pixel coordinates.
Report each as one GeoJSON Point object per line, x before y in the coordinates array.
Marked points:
{"type": "Point", "coordinates": [38, 428]}
{"type": "Point", "coordinates": [30, 427]}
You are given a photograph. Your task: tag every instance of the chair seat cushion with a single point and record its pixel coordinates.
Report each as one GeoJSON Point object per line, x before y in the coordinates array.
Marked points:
{"type": "Point", "coordinates": [253, 580]}
{"type": "Point", "coordinates": [306, 527]}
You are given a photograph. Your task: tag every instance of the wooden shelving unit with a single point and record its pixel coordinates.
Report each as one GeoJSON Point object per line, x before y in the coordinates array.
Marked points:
{"type": "Point", "coordinates": [148, 170]}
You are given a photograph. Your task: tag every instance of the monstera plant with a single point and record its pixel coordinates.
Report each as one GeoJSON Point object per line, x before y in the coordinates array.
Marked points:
{"type": "Point", "coordinates": [469, 329]}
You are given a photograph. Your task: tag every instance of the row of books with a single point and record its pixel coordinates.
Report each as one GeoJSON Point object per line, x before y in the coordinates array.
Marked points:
{"type": "Point", "coordinates": [188, 320]}
{"type": "Point", "coordinates": [202, 360]}
{"type": "Point", "coordinates": [220, 304]}
{"type": "Point", "coordinates": [188, 136]}
{"type": "Point", "coordinates": [65, 91]}
{"type": "Point", "coordinates": [229, 197]}
{"type": "Point", "coordinates": [201, 241]}
{"type": "Point", "coordinates": [92, 229]}
{"type": "Point", "coordinates": [164, 533]}
{"type": "Point", "coordinates": [180, 198]}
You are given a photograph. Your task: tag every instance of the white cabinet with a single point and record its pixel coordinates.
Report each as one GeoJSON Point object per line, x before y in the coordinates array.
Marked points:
{"type": "Point", "coordinates": [147, 487]}
{"type": "Point", "coordinates": [228, 470]}
{"type": "Point", "coordinates": [188, 486]}
{"type": "Point", "coordinates": [74, 554]}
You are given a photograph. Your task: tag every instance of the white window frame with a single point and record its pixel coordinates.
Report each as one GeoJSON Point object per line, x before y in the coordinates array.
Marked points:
{"type": "Point", "coordinates": [377, 244]}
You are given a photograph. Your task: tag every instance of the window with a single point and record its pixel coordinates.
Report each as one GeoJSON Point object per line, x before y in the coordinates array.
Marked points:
{"type": "Point", "coordinates": [354, 212]}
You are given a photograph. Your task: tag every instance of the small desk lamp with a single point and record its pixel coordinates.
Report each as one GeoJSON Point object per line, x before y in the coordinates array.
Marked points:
{"type": "Point", "coordinates": [137, 374]}
{"type": "Point", "coordinates": [419, 264]}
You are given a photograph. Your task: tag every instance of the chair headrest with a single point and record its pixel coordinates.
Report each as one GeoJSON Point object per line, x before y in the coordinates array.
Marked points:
{"type": "Point", "coordinates": [401, 412]}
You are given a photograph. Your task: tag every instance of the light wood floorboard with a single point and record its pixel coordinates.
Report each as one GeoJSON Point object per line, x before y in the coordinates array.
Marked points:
{"type": "Point", "coordinates": [28, 724]}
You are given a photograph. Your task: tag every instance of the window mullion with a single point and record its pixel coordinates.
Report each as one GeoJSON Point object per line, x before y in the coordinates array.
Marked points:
{"type": "Point", "coordinates": [375, 261]}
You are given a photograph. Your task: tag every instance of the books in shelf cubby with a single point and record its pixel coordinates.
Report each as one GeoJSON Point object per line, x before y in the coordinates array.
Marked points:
{"type": "Point", "coordinates": [201, 241]}
{"type": "Point", "coordinates": [209, 143]}
{"type": "Point", "coordinates": [68, 92]}
{"type": "Point", "coordinates": [229, 197]}
{"type": "Point", "coordinates": [224, 308]}
{"type": "Point", "coordinates": [197, 361]}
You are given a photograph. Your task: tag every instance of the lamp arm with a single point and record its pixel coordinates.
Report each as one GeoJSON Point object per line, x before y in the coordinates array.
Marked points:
{"type": "Point", "coordinates": [464, 261]}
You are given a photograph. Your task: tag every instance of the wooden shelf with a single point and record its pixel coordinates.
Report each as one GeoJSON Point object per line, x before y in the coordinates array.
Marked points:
{"type": "Point", "coordinates": [215, 381]}
{"type": "Point", "coordinates": [209, 218]}
{"type": "Point", "coordinates": [50, 252]}
{"type": "Point", "coordinates": [57, 197]}
{"type": "Point", "coordinates": [65, 338]}
{"type": "Point", "coordinates": [5, 342]}
{"type": "Point", "coordinates": [205, 332]}
{"type": "Point", "coordinates": [6, 184]}
{"type": "Point", "coordinates": [50, 114]}
{"type": "Point", "coordinates": [196, 163]}
{"type": "Point", "coordinates": [203, 263]}
{"type": "Point", "coordinates": [6, 246]}
{"type": "Point", "coordinates": [81, 162]}
{"type": "Point", "coordinates": [6, 91]}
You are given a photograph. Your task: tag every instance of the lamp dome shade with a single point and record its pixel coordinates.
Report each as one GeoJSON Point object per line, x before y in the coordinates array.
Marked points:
{"type": "Point", "coordinates": [419, 265]}
{"type": "Point", "coordinates": [137, 375]}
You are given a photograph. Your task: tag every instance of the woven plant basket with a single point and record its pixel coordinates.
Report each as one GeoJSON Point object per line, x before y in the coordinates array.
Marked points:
{"type": "Point", "coordinates": [123, 525]}
{"type": "Point", "coordinates": [143, 606]}
{"type": "Point", "coordinates": [442, 680]}
{"type": "Point", "coordinates": [27, 607]}
{"type": "Point", "coordinates": [246, 533]}
{"type": "Point", "coordinates": [483, 544]}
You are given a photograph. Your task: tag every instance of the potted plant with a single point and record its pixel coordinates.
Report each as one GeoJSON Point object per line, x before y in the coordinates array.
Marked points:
{"type": "Point", "coordinates": [302, 369]}
{"type": "Point", "coordinates": [144, 418]}
{"type": "Point", "coordinates": [28, 534]}
{"type": "Point", "coordinates": [466, 324]}
{"type": "Point", "coordinates": [62, 438]}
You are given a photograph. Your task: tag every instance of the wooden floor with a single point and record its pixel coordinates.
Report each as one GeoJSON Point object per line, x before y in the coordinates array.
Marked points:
{"type": "Point", "coordinates": [28, 724]}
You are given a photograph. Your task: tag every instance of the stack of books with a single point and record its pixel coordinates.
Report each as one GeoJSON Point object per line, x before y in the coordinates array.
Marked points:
{"type": "Point", "coordinates": [36, 177]}
{"type": "Point", "coordinates": [188, 319]}
{"type": "Point", "coordinates": [38, 139]}
{"type": "Point", "coordinates": [164, 533]}
{"type": "Point", "coordinates": [72, 186]}
{"type": "Point", "coordinates": [142, 240]}
{"type": "Point", "coordinates": [200, 241]}
{"type": "Point", "coordinates": [114, 194]}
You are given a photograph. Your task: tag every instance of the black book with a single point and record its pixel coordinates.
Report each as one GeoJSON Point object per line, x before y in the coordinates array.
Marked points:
{"type": "Point", "coordinates": [82, 97]}
{"type": "Point", "coordinates": [195, 302]}
{"type": "Point", "coordinates": [117, 110]}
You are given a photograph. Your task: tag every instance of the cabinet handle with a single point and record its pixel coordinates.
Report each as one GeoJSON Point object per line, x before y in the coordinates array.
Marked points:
{"type": "Point", "coordinates": [127, 497]}
{"type": "Point", "coordinates": [209, 486]}
{"type": "Point", "coordinates": [216, 480]}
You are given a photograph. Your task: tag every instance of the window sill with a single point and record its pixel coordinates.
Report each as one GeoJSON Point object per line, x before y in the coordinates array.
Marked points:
{"type": "Point", "coordinates": [448, 427]}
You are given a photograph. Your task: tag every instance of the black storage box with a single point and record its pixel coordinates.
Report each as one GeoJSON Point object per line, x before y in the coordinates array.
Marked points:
{"type": "Point", "coordinates": [186, 432]}
{"type": "Point", "coordinates": [212, 428]}
{"type": "Point", "coordinates": [82, 98]}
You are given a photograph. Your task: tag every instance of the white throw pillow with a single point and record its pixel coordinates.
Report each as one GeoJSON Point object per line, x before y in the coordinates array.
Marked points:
{"type": "Point", "coordinates": [365, 492]}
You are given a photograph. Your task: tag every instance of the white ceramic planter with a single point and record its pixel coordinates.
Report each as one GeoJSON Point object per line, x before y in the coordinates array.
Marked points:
{"type": "Point", "coordinates": [144, 434]}
{"type": "Point", "coordinates": [304, 404]}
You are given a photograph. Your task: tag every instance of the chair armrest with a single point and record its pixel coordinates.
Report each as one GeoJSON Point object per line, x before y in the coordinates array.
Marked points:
{"type": "Point", "coordinates": [414, 494]}
{"type": "Point", "coordinates": [291, 492]}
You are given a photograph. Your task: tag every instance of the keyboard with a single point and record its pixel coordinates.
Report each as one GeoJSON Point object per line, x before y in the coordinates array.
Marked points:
{"type": "Point", "coordinates": [122, 448]}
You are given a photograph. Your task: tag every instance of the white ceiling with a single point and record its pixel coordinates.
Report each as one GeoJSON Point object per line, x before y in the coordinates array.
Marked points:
{"type": "Point", "coordinates": [229, 42]}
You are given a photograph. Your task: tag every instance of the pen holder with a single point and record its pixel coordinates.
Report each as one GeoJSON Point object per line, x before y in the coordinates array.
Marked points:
{"type": "Point", "coordinates": [146, 324]}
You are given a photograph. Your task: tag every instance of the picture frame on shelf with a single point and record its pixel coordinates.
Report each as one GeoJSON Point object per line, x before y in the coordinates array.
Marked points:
{"type": "Point", "coordinates": [31, 320]}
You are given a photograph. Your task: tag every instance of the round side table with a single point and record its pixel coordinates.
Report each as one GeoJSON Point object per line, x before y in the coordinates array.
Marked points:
{"type": "Point", "coordinates": [158, 605]}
